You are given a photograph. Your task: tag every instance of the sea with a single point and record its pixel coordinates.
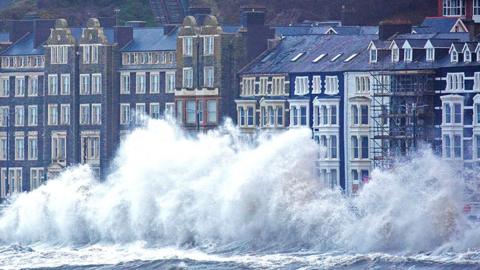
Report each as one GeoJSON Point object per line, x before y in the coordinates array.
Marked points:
{"type": "Point", "coordinates": [219, 200]}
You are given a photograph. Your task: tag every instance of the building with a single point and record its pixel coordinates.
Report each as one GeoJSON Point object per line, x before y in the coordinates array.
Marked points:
{"type": "Point", "coordinates": [208, 58]}
{"type": "Point", "coordinates": [465, 9]}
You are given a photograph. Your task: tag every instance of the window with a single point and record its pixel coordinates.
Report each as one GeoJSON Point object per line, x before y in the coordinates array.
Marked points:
{"type": "Point", "coordinates": [408, 54]}
{"type": "Point", "coordinates": [454, 56]}
{"type": "Point", "coordinates": [333, 147]}
{"type": "Point", "coordinates": [301, 85]}
{"type": "Point", "coordinates": [453, 7]}
{"type": "Point", "coordinates": [59, 147]}
{"type": "Point", "coordinates": [373, 55]}
{"type": "Point", "coordinates": [169, 110]}
{"type": "Point", "coordinates": [467, 56]}
{"type": "Point", "coordinates": [36, 178]}
{"type": "Point", "coordinates": [355, 176]}
{"type": "Point", "coordinates": [20, 86]}
{"type": "Point", "coordinates": [241, 116]}
{"type": "Point", "coordinates": [52, 114]}
{"type": "Point", "coordinates": [19, 116]}
{"type": "Point", "coordinates": [476, 7]}
{"type": "Point", "coordinates": [354, 115]}
{"type": "Point", "coordinates": [364, 113]}
{"type": "Point", "coordinates": [279, 114]}
{"type": "Point", "coordinates": [170, 82]}
{"type": "Point", "coordinates": [331, 85]}
{"type": "Point", "coordinates": [140, 112]}
{"type": "Point", "coordinates": [350, 58]}
{"type": "Point", "coordinates": [477, 113]}
{"type": "Point", "coordinates": [395, 54]}
{"type": "Point", "coordinates": [90, 54]}
{"type": "Point", "coordinates": [336, 57]}
{"type": "Point", "coordinates": [448, 113]}
{"type": "Point", "coordinates": [3, 146]}
{"type": "Point", "coordinates": [187, 78]}
{"type": "Point", "coordinates": [154, 83]}
{"type": "Point", "coordinates": [58, 54]}
{"type": "Point", "coordinates": [208, 45]}
{"type": "Point", "coordinates": [457, 146]}
{"type": "Point", "coordinates": [96, 84]}
{"type": "Point", "coordinates": [124, 114]}
{"type": "Point", "coordinates": [84, 84]}
{"type": "Point", "coordinates": [248, 86]}
{"type": "Point", "coordinates": [458, 113]}
{"type": "Point", "coordinates": [455, 82]}
{"type": "Point", "coordinates": [15, 180]}
{"type": "Point", "coordinates": [96, 114]}
{"type": "Point", "coordinates": [278, 86]}
{"type": "Point", "coordinates": [476, 81]}
{"type": "Point", "coordinates": [4, 116]}
{"type": "Point", "coordinates": [355, 152]}
{"type": "Point", "coordinates": [333, 114]}
{"type": "Point", "coordinates": [320, 57]}
{"type": "Point", "coordinates": [297, 56]}
{"type": "Point", "coordinates": [430, 54]}
{"type": "Point", "coordinates": [65, 114]}
{"type": "Point", "coordinates": [19, 148]}
{"type": "Point", "coordinates": [208, 77]}
{"type": "Point", "coordinates": [32, 115]}
{"type": "Point", "coordinates": [4, 87]}
{"type": "Point", "coordinates": [364, 140]}
{"type": "Point", "coordinates": [191, 119]}
{"type": "Point", "coordinates": [179, 111]}
{"type": "Point", "coordinates": [155, 110]}
{"type": "Point", "coordinates": [324, 112]}
{"type": "Point", "coordinates": [200, 111]}
{"type": "Point", "coordinates": [91, 148]}
{"type": "Point", "coordinates": [65, 84]}
{"type": "Point", "coordinates": [362, 84]}
{"type": "Point", "coordinates": [187, 46]}
{"type": "Point", "coordinates": [52, 84]}
{"type": "Point", "coordinates": [316, 85]}
{"type": "Point", "coordinates": [125, 83]}
{"type": "Point", "coordinates": [32, 148]}
{"type": "Point", "coordinates": [212, 111]}
{"type": "Point", "coordinates": [140, 83]}
{"type": "Point", "coordinates": [84, 114]}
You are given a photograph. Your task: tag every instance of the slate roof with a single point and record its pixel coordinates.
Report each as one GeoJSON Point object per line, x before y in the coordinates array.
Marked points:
{"type": "Point", "coordinates": [4, 36]}
{"type": "Point", "coordinates": [151, 39]}
{"type": "Point", "coordinates": [437, 24]}
{"type": "Point", "coordinates": [296, 30]}
{"type": "Point", "coordinates": [279, 59]}
{"type": "Point", "coordinates": [24, 46]}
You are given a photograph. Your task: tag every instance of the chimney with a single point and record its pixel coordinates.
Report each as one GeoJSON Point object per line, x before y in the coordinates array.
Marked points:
{"type": "Point", "coordinates": [41, 31]}
{"type": "Point", "coordinates": [136, 23]}
{"type": "Point", "coordinates": [252, 15]}
{"type": "Point", "coordinates": [19, 28]}
{"type": "Point", "coordinates": [387, 30]}
{"type": "Point", "coordinates": [199, 13]}
{"type": "Point", "coordinates": [473, 29]}
{"type": "Point", "coordinates": [123, 35]}
{"type": "Point", "coordinates": [256, 33]}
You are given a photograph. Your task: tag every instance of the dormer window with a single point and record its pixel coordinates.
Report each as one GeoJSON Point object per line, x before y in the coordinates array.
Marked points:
{"type": "Point", "coordinates": [454, 56]}
{"type": "Point", "coordinates": [373, 55]}
{"type": "Point", "coordinates": [430, 54]}
{"type": "Point", "coordinates": [467, 56]}
{"type": "Point", "coordinates": [408, 54]}
{"type": "Point", "coordinates": [395, 54]}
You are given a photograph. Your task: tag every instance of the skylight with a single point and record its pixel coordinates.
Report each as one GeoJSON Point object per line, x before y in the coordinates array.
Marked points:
{"type": "Point", "coordinates": [320, 57]}
{"type": "Point", "coordinates": [351, 57]}
{"type": "Point", "coordinates": [297, 56]}
{"type": "Point", "coordinates": [336, 57]}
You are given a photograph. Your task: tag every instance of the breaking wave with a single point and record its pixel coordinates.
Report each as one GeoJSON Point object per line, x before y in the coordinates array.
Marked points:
{"type": "Point", "coordinates": [218, 192]}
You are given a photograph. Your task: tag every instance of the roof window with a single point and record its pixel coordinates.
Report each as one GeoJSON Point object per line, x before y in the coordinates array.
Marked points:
{"type": "Point", "coordinates": [320, 57]}
{"type": "Point", "coordinates": [336, 57]}
{"type": "Point", "coordinates": [297, 56]}
{"type": "Point", "coordinates": [350, 58]}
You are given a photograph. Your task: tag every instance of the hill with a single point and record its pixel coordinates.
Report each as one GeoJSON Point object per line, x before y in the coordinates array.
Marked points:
{"type": "Point", "coordinates": [364, 12]}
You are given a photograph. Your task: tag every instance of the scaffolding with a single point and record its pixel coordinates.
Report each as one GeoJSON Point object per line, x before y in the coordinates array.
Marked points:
{"type": "Point", "coordinates": [402, 114]}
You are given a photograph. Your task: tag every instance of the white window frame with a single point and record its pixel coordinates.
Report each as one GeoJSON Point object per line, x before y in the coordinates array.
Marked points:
{"type": "Point", "coordinates": [20, 86]}
{"type": "Point", "coordinates": [31, 116]}
{"type": "Point", "coordinates": [52, 84]}
{"type": "Point", "coordinates": [84, 114]}
{"type": "Point", "coordinates": [19, 144]}
{"type": "Point", "coordinates": [208, 45]}
{"type": "Point", "coordinates": [125, 114]}
{"type": "Point", "coordinates": [32, 86]}
{"type": "Point", "coordinates": [170, 82]}
{"type": "Point", "coordinates": [65, 84]}
{"type": "Point", "coordinates": [302, 85]}
{"type": "Point", "coordinates": [4, 86]}
{"type": "Point", "coordinates": [84, 84]}
{"type": "Point", "coordinates": [96, 83]}
{"type": "Point", "coordinates": [32, 145]}
{"type": "Point", "coordinates": [209, 76]}
{"type": "Point", "coordinates": [331, 85]}
{"type": "Point", "coordinates": [64, 114]}
{"type": "Point", "coordinates": [140, 83]}
{"type": "Point", "coordinates": [96, 114]}
{"type": "Point", "coordinates": [125, 83]}
{"type": "Point", "coordinates": [187, 46]}
{"type": "Point", "coordinates": [187, 77]}
{"type": "Point", "coordinates": [52, 114]}
{"type": "Point", "coordinates": [154, 82]}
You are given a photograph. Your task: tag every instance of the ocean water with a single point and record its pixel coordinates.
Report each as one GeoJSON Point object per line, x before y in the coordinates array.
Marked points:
{"type": "Point", "coordinates": [218, 202]}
